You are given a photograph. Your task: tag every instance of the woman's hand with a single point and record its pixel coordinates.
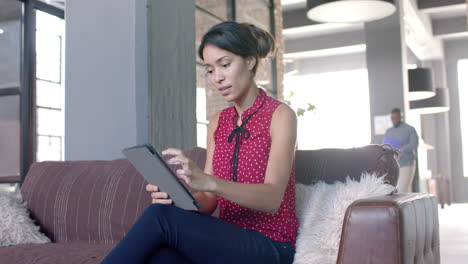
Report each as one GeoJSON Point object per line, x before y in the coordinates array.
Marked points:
{"type": "Point", "coordinates": [190, 173]}
{"type": "Point", "coordinates": [158, 197]}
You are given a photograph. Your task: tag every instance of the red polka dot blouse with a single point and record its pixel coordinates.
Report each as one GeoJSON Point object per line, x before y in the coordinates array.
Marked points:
{"type": "Point", "coordinates": [252, 159]}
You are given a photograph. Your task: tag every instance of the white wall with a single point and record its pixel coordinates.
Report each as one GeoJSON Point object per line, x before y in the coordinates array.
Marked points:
{"type": "Point", "coordinates": [105, 51]}
{"type": "Point", "coordinates": [454, 51]}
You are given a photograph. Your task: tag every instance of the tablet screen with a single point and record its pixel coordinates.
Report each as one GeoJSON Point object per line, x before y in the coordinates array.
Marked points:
{"type": "Point", "coordinates": [156, 172]}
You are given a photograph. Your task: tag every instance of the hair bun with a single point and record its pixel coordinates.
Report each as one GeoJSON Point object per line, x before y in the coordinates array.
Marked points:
{"type": "Point", "coordinates": [265, 41]}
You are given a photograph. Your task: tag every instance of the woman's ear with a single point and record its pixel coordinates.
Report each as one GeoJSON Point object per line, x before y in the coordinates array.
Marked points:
{"type": "Point", "coordinates": [251, 61]}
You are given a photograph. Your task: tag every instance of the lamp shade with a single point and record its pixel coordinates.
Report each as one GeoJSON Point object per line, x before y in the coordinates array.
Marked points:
{"type": "Point", "coordinates": [420, 84]}
{"type": "Point", "coordinates": [436, 104]}
{"type": "Point", "coordinates": [349, 11]}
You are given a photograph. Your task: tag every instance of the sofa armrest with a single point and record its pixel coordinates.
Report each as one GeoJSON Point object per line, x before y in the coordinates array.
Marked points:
{"type": "Point", "coordinates": [393, 229]}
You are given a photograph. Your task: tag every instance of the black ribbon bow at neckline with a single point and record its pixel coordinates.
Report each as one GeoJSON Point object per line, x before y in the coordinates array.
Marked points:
{"type": "Point", "coordinates": [238, 132]}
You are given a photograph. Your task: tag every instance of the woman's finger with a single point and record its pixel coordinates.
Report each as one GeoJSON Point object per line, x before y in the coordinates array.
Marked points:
{"type": "Point", "coordinates": [184, 178]}
{"type": "Point", "coordinates": [161, 201]}
{"type": "Point", "coordinates": [151, 188]}
{"type": "Point", "coordinates": [173, 151]}
{"type": "Point", "coordinates": [186, 172]}
{"type": "Point", "coordinates": [159, 195]}
{"type": "Point", "coordinates": [182, 160]}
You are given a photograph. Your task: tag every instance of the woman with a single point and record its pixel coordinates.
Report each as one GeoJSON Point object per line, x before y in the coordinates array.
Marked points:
{"type": "Point", "coordinates": [248, 174]}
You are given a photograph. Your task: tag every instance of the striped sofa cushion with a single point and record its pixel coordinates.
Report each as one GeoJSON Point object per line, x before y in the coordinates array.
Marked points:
{"type": "Point", "coordinates": [93, 201]}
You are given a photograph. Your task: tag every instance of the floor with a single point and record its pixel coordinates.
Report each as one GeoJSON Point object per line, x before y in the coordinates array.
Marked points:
{"type": "Point", "coordinates": [453, 228]}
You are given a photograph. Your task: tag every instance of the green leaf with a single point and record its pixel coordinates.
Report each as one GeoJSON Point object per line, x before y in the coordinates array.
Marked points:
{"type": "Point", "coordinates": [311, 107]}
{"type": "Point", "coordinates": [300, 112]}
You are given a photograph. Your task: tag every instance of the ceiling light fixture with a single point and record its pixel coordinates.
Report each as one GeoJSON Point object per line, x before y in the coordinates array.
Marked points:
{"type": "Point", "coordinates": [349, 11]}
{"type": "Point", "coordinates": [437, 104]}
{"type": "Point", "coordinates": [420, 84]}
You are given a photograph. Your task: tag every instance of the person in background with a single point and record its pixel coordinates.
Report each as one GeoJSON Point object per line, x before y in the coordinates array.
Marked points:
{"type": "Point", "coordinates": [404, 138]}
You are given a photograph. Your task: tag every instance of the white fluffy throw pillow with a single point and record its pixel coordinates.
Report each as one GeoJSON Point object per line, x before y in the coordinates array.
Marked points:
{"type": "Point", "coordinates": [15, 225]}
{"type": "Point", "coordinates": [320, 209]}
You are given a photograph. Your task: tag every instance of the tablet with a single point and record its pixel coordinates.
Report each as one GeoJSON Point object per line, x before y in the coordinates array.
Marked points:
{"type": "Point", "coordinates": [155, 170]}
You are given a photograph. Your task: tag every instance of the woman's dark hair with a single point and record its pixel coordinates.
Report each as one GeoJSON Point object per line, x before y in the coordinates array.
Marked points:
{"type": "Point", "coordinates": [242, 39]}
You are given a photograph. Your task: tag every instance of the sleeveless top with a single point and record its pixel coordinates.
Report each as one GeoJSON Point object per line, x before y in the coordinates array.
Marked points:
{"type": "Point", "coordinates": [252, 161]}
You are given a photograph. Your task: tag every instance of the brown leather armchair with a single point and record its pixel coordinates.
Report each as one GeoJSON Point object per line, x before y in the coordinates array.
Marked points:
{"type": "Point", "coordinates": [393, 229]}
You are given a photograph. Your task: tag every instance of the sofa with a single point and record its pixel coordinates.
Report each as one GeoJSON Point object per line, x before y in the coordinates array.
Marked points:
{"type": "Point", "coordinates": [86, 207]}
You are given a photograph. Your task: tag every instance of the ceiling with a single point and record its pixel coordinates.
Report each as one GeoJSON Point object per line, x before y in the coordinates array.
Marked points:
{"type": "Point", "coordinates": [427, 24]}
{"type": "Point", "coordinates": [11, 9]}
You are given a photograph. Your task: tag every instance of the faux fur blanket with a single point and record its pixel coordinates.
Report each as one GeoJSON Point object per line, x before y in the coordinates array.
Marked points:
{"type": "Point", "coordinates": [15, 225]}
{"type": "Point", "coordinates": [320, 209]}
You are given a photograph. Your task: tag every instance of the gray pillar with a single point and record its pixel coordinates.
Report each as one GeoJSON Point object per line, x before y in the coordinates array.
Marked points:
{"type": "Point", "coordinates": [386, 66]}
{"type": "Point", "coordinates": [436, 127]}
{"type": "Point", "coordinates": [172, 74]}
{"type": "Point", "coordinates": [141, 72]}
{"type": "Point", "coordinates": [454, 51]}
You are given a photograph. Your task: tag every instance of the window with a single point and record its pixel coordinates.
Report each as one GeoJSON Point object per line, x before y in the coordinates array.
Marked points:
{"type": "Point", "coordinates": [10, 91]}
{"type": "Point", "coordinates": [342, 115]}
{"type": "Point", "coordinates": [49, 86]}
{"type": "Point", "coordinates": [207, 14]}
{"type": "Point", "coordinates": [463, 97]}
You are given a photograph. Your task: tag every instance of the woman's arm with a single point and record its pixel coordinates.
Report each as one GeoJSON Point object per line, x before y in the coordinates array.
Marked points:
{"type": "Point", "coordinates": [208, 200]}
{"type": "Point", "coordinates": [266, 197]}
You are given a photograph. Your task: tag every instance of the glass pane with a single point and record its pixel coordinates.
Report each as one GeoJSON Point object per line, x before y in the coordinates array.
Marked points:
{"type": "Point", "coordinates": [9, 135]}
{"type": "Point", "coordinates": [49, 94]}
{"type": "Point", "coordinates": [202, 132]}
{"type": "Point", "coordinates": [214, 101]}
{"type": "Point", "coordinates": [48, 47]}
{"type": "Point", "coordinates": [321, 90]}
{"type": "Point", "coordinates": [50, 32]}
{"type": "Point", "coordinates": [201, 105]}
{"type": "Point", "coordinates": [10, 53]}
{"type": "Point", "coordinates": [10, 58]}
{"type": "Point", "coordinates": [256, 12]}
{"type": "Point", "coordinates": [219, 8]}
{"type": "Point", "coordinates": [49, 148]}
{"type": "Point", "coordinates": [49, 122]}
{"type": "Point", "coordinates": [203, 23]}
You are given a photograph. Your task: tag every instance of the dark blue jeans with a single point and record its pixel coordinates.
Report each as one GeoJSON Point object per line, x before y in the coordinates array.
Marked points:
{"type": "Point", "coordinates": [167, 234]}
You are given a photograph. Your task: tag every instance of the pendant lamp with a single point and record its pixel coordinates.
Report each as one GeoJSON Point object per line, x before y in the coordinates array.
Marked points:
{"type": "Point", "coordinates": [438, 104]}
{"type": "Point", "coordinates": [420, 84]}
{"type": "Point", "coordinates": [349, 11]}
